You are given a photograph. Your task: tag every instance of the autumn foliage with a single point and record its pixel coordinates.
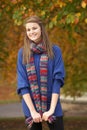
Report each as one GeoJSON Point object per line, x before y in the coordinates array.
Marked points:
{"type": "Point", "coordinates": [66, 23]}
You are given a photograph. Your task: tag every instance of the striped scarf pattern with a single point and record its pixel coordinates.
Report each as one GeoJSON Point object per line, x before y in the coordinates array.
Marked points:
{"type": "Point", "coordinates": [39, 94]}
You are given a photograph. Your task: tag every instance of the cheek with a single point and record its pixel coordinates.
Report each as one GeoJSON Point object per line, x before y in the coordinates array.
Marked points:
{"type": "Point", "coordinates": [27, 34]}
{"type": "Point", "coordinates": [39, 33]}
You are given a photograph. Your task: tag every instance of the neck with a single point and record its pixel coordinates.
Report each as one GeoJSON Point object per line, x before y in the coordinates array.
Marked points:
{"type": "Point", "coordinates": [38, 41]}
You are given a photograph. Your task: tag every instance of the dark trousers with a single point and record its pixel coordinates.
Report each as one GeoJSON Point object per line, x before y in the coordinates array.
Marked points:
{"type": "Point", "coordinates": [57, 125]}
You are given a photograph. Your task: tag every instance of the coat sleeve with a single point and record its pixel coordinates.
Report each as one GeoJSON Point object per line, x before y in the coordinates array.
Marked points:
{"type": "Point", "coordinates": [22, 80]}
{"type": "Point", "coordinates": [59, 70]}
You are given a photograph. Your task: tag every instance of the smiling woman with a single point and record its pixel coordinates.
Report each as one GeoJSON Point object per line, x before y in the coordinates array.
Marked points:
{"type": "Point", "coordinates": [33, 31]}
{"type": "Point", "coordinates": [40, 70]}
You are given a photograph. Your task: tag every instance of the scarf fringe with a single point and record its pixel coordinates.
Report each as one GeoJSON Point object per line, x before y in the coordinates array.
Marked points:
{"type": "Point", "coordinates": [29, 121]}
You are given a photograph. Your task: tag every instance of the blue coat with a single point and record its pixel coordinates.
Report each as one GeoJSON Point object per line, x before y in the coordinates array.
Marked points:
{"type": "Point", "coordinates": [55, 81]}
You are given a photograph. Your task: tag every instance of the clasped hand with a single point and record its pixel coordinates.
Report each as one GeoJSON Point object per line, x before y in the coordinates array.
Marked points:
{"type": "Point", "coordinates": [37, 117]}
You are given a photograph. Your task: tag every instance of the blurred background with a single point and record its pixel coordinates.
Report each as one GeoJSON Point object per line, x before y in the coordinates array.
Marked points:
{"type": "Point", "coordinates": [66, 24]}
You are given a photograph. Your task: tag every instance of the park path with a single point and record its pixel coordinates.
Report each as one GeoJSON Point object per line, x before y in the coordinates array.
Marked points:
{"type": "Point", "coordinates": [69, 109]}
{"type": "Point", "coordinates": [11, 110]}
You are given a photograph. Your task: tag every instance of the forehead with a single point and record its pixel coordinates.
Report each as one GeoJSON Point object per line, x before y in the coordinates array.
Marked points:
{"type": "Point", "coordinates": [30, 25]}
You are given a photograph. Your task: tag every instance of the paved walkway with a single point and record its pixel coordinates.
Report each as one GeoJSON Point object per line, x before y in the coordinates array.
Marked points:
{"type": "Point", "coordinates": [11, 110]}
{"type": "Point", "coordinates": [69, 108]}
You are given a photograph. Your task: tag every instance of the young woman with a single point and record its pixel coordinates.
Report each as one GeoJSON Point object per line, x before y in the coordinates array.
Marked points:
{"type": "Point", "coordinates": [40, 71]}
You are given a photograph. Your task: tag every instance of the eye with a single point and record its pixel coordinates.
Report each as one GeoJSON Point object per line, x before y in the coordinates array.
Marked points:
{"type": "Point", "coordinates": [27, 29]}
{"type": "Point", "coordinates": [34, 28]}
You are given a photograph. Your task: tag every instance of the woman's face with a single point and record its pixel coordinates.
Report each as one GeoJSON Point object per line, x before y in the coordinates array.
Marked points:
{"type": "Point", "coordinates": [33, 32]}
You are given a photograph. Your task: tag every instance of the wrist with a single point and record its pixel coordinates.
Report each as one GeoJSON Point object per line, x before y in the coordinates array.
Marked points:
{"type": "Point", "coordinates": [32, 111]}
{"type": "Point", "coordinates": [51, 110]}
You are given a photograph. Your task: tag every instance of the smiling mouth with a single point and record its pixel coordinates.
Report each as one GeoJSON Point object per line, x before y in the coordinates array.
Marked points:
{"type": "Point", "coordinates": [33, 35]}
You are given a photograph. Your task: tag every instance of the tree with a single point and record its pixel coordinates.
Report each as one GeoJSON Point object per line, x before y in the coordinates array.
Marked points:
{"type": "Point", "coordinates": [68, 18]}
{"type": "Point", "coordinates": [54, 12]}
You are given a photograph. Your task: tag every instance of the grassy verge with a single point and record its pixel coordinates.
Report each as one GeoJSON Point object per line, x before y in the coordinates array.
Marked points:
{"type": "Point", "coordinates": [8, 101]}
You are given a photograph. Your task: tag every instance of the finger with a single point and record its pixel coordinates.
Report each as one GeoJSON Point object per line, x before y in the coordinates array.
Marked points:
{"type": "Point", "coordinates": [44, 118]}
{"type": "Point", "coordinates": [37, 120]}
{"type": "Point", "coordinates": [40, 119]}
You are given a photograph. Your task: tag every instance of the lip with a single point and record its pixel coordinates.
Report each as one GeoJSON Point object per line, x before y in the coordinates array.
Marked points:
{"type": "Point", "coordinates": [32, 35]}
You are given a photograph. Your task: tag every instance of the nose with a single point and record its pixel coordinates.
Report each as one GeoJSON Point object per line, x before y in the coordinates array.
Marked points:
{"type": "Point", "coordinates": [31, 31]}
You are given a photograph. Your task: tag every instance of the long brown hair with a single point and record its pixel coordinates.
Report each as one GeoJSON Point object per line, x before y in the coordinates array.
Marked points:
{"type": "Point", "coordinates": [45, 39]}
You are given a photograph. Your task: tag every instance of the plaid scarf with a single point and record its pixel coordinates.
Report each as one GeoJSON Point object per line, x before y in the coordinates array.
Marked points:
{"type": "Point", "coordinates": [39, 94]}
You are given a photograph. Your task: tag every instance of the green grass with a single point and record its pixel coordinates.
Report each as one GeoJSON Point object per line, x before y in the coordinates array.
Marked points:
{"type": "Point", "coordinates": [8, 101]}
{"type": "Point", "coordinates": [70, 123]}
